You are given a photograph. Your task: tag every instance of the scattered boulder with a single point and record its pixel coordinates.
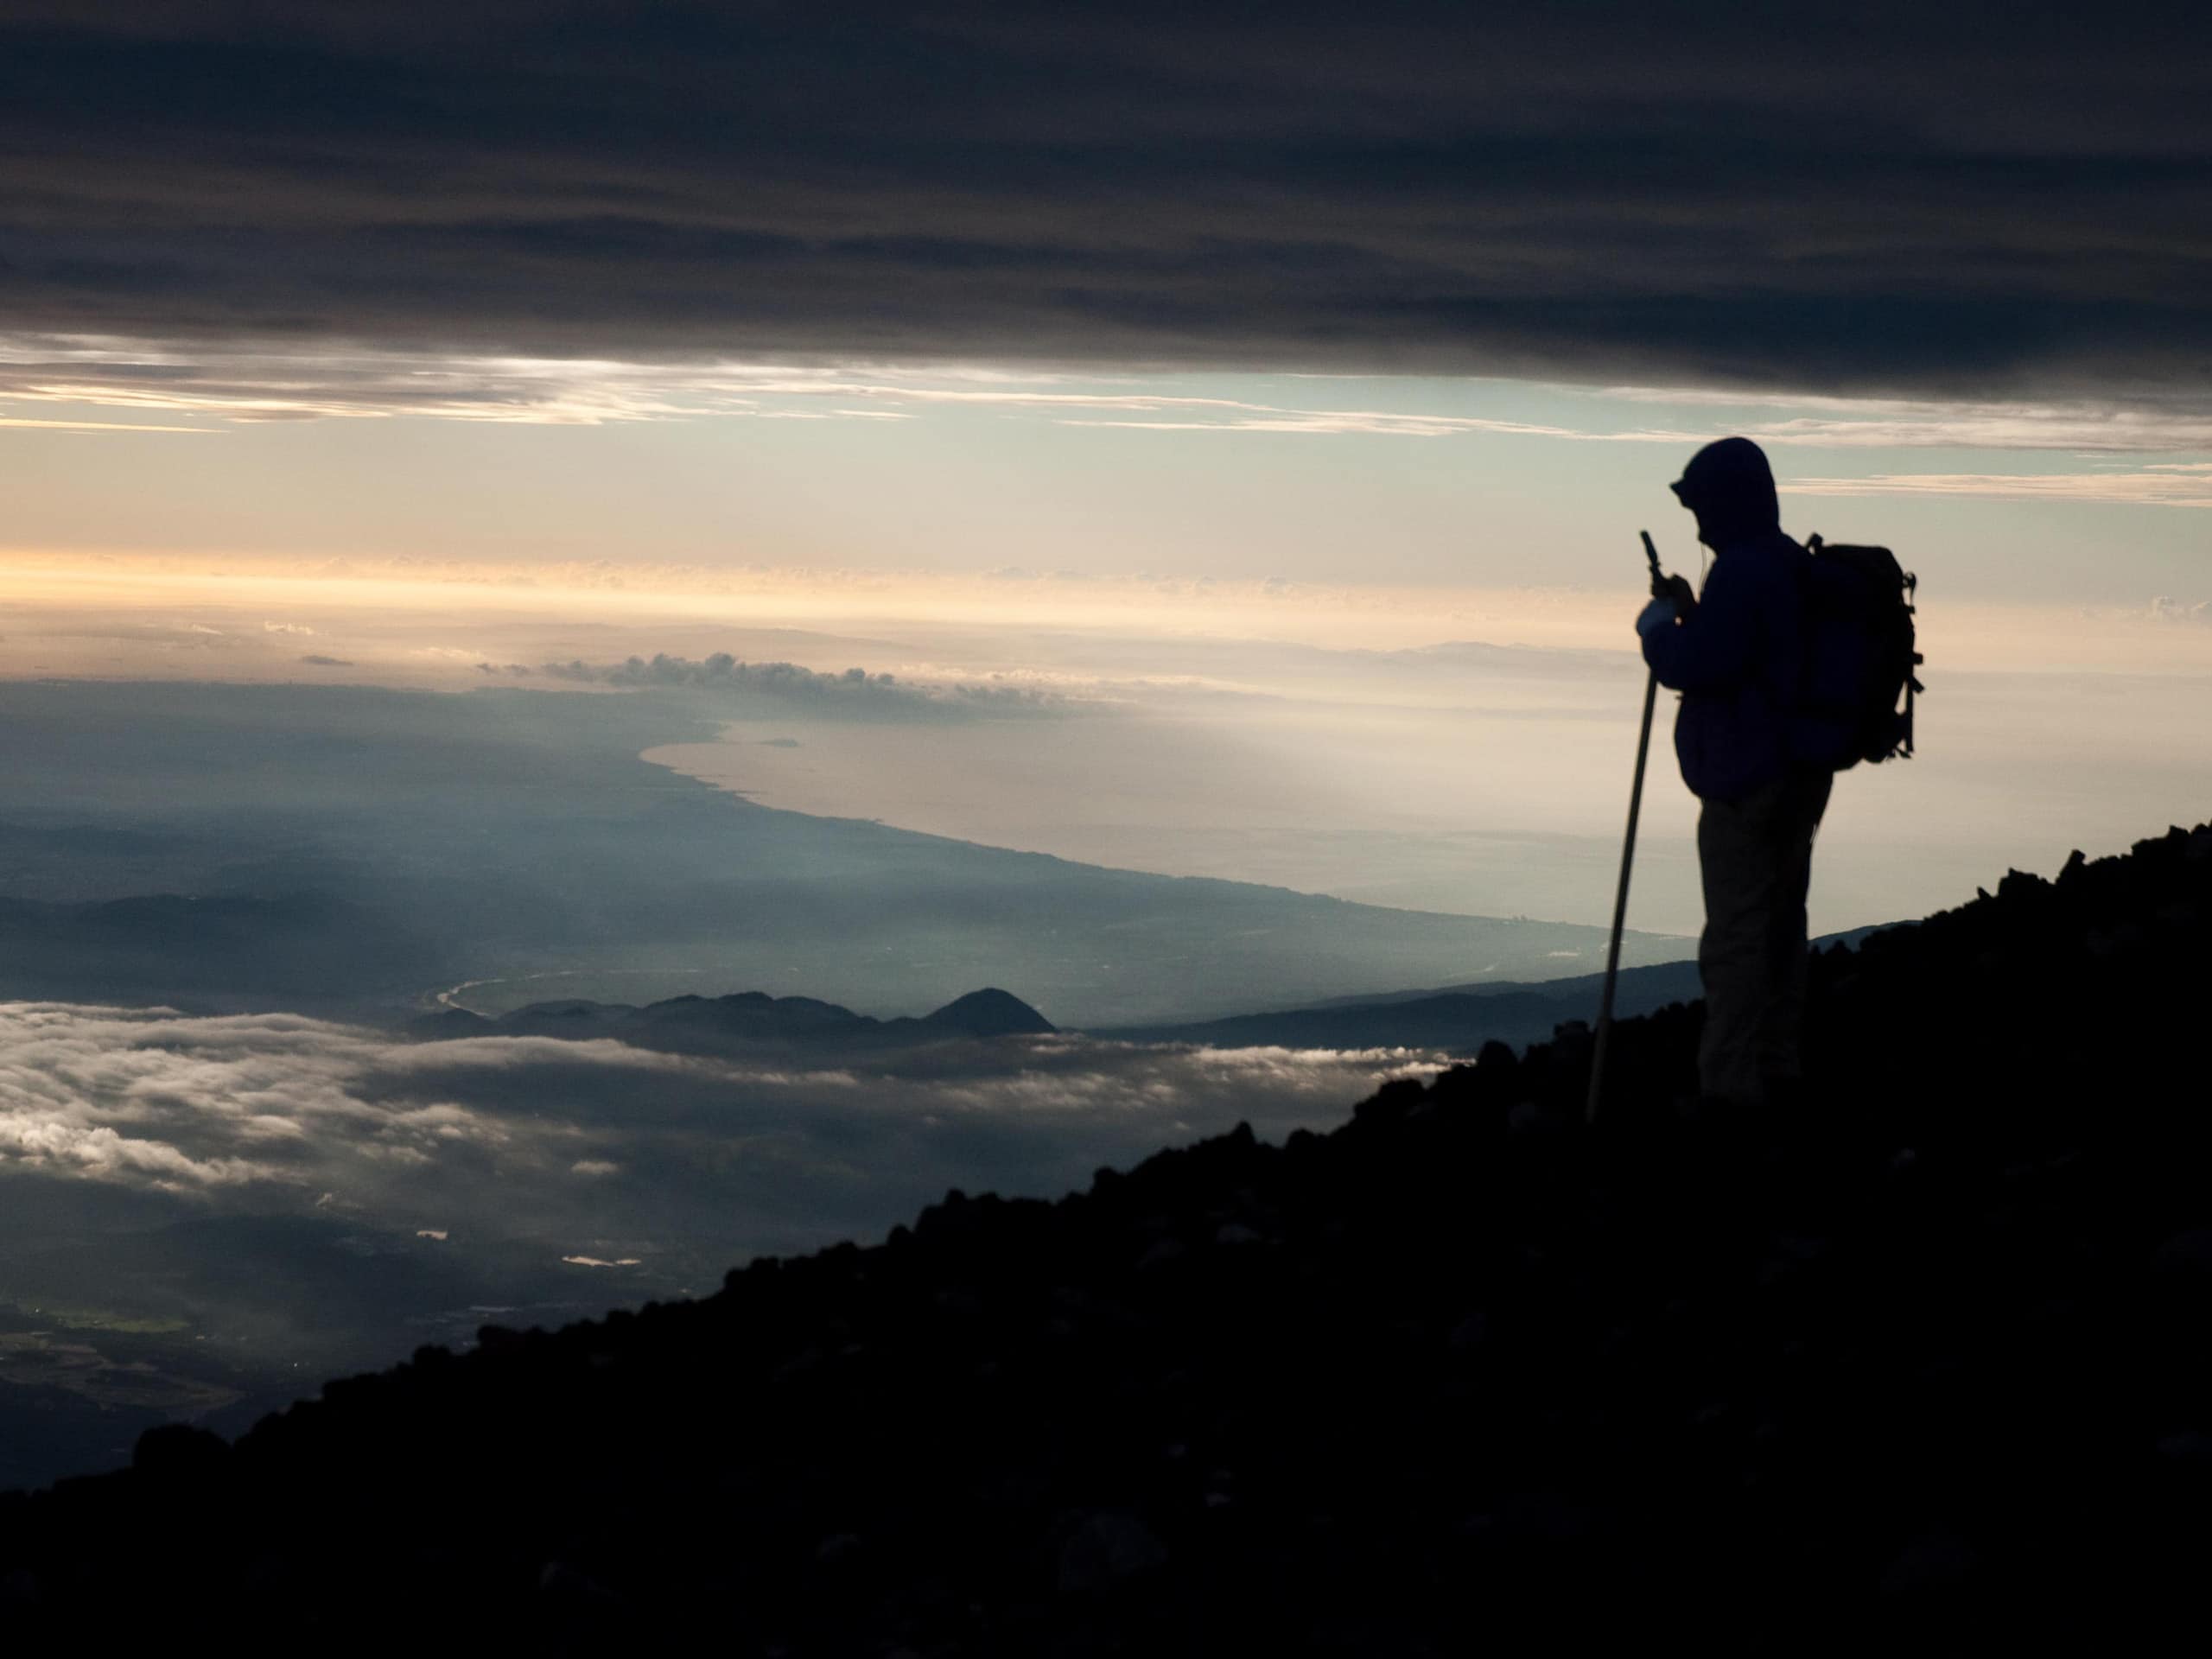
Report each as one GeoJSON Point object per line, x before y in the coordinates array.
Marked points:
{"type": "Point", "coordinates": [1104, 1548]}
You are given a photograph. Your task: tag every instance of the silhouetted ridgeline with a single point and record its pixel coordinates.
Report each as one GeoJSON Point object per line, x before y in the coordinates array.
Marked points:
{"type": "Point", "coordinates": [1457, 1374]}
{"type": "Point", "coordinates": [747, 1022]}
{"type": "Point", "coordinates": [1456, 1019]}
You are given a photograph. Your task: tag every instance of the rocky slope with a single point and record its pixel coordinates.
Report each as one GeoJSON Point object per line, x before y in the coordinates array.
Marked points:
{"type": "Point", "coordinates": [1925, 1365]}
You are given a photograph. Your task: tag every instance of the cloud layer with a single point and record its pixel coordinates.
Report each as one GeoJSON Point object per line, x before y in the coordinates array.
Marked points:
{"type": "Point", "coordinates": [1882, 196]}
{"type": "Point", "coordinates": [2175, 485]}
{"type": "Point", "coordinates": [245, 380]}
{"type": "Point", "coordinates": [597, 1148]}
{"type": "Point", "coordinates": [855, 693]}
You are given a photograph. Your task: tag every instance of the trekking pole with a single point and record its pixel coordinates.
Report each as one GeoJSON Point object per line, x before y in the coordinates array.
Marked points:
{"type": "Point", "coordinates": [1628, 862]}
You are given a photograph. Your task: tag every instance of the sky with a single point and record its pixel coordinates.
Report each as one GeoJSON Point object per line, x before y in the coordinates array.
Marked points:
{"type": "Point", "coordinates": [1093, 353]}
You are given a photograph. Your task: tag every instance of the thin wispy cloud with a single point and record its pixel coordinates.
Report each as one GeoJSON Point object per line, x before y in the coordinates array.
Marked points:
{"type": "Point", "coordinates": [249, 382]}
{"type": "Point", "coordinates": [2198, 612]}
{"type": "Point", "coordinates": [2161, 488]}
{"type": "Point", "coordinates": [99, 426]}
{"type": "Point", "coordinates": [1841, 424]}
{"type": "Point", "coordinates": [2086, 426]}
{"type": "Point", "coordinates": [1328, 422]}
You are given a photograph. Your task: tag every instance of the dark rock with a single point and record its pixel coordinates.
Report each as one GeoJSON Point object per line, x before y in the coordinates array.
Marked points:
{"type": "Point", "coordinates": [837, 1547]}
{"type": "Point", "coordinates": [1935, 1562]}
{"type": "Point", "coordinates": [179, 1452]}
{"type": "Point", "coordinates": [1162, 1253]}
{"type": "Point", "coordinates": [2192, 1449]}
{"type": "Point", "coordinates": [559, 1581]}
{"type": "Point", "coordinates": [2186, 1254]}
{"type": "Point", "coordinates": [1105, 1547]}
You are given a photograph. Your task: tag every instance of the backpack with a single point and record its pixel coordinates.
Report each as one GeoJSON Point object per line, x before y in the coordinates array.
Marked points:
{"type": "Point", "coordinates": [1859, 656]}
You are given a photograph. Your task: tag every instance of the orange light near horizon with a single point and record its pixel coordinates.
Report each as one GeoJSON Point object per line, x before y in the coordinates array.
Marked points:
{"type": "Point", "coordinates": [398, 597]}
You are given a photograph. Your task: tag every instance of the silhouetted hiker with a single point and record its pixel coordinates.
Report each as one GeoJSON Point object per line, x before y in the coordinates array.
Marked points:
{"type": "Point", "coordinates": [1734, 653]}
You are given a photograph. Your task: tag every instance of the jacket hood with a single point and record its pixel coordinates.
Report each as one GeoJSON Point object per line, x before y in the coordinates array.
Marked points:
{"type": "Point", "coordinates": [1730, 488]}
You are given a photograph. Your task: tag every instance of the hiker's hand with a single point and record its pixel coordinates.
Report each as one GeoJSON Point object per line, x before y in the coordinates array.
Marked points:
{"type": "Point", "coordinates": [1676, 588]}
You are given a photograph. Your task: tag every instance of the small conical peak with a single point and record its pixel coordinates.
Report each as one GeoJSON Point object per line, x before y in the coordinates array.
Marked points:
{"type": "Point", "coordinates": [991, 1012]}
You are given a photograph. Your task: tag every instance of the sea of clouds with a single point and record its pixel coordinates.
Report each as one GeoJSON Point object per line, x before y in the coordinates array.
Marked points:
{"type": "Point", "coordinates": [599, 1150]}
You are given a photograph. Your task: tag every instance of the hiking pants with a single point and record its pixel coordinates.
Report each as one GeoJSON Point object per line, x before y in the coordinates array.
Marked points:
{"type": "Point", "coordinates": [1756, 856]}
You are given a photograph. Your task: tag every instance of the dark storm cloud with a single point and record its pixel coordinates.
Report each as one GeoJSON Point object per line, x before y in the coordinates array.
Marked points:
{"type": "Point", "coordinates": [1948, 198]}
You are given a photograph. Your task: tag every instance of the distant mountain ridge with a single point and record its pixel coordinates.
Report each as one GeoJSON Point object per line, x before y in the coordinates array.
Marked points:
{"type": "Point", "coordinates": [1654, 975]}
{"type": "Point", "coordinates": [1455, 1019]}
{"type": "Point", "coordinates": [743, 1020]}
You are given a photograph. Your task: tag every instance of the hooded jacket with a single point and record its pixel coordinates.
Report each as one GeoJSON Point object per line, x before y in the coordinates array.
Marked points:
{"type": "Point", "coordinates": [1737, 656]}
